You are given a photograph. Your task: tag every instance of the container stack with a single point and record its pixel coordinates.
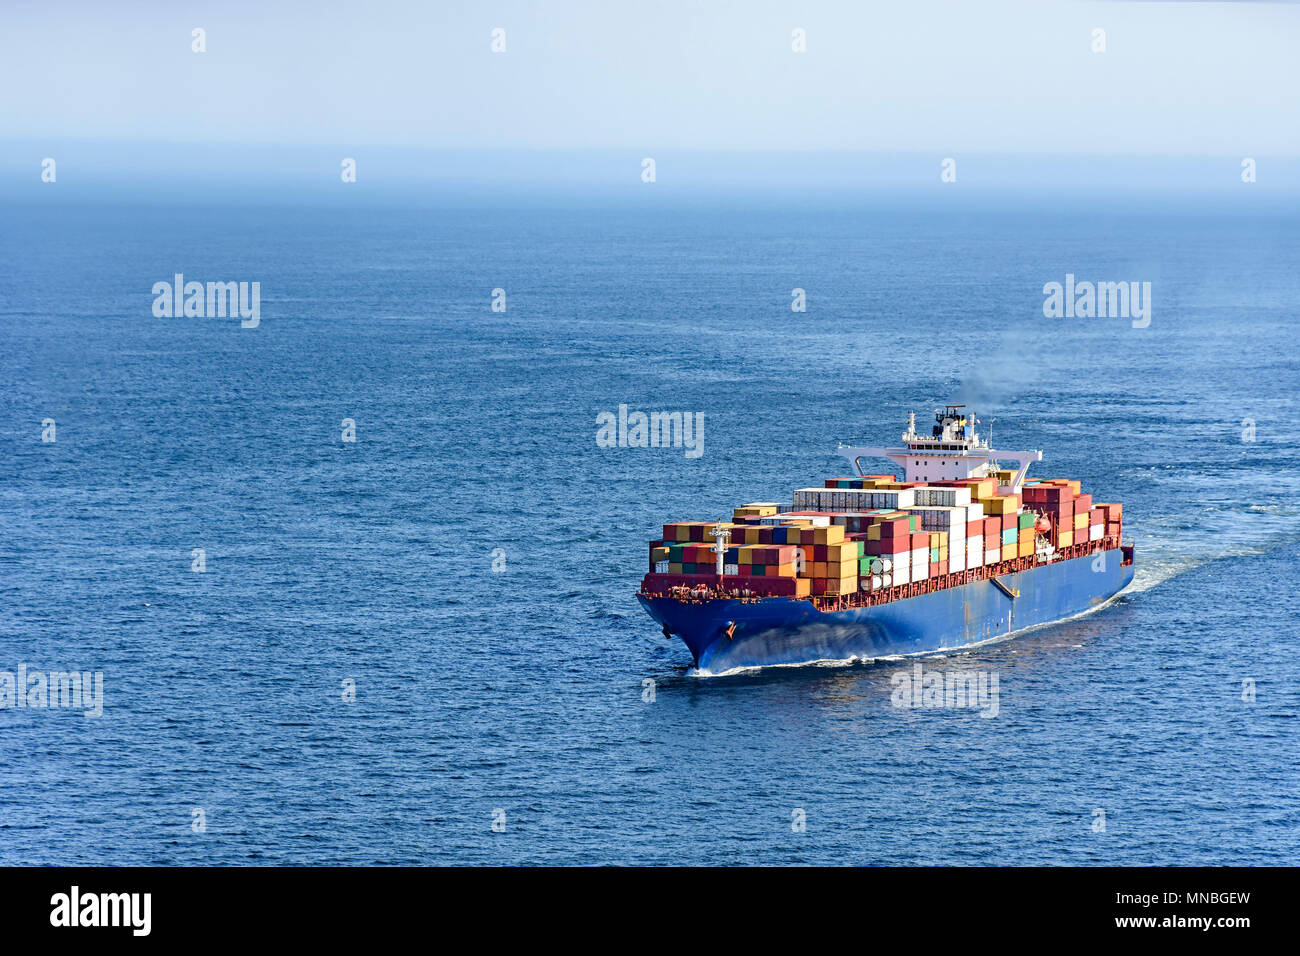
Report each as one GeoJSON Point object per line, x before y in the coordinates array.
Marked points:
{"type": "Point", "coordinates": [853, 499]}
{"type": "Point", "coordinates": [872, 532]}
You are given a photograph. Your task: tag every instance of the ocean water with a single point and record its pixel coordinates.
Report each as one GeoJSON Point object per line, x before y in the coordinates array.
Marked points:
{"type": "Point", "coordinates": [370, 564]}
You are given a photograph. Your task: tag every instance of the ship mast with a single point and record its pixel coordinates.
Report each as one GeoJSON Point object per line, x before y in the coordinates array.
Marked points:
{"type": "Point", "coordinates": [720, 536]}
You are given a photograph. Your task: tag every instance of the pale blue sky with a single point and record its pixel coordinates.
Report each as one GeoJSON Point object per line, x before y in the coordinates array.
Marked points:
{"type": "Point", "coordinates": [945, 76]}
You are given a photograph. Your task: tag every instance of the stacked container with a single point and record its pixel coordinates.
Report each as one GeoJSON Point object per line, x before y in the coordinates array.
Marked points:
{"type": "Point", "coordinates": [875, 532]}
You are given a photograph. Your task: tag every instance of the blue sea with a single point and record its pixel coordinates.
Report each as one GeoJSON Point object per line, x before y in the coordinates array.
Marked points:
{"type": "Point", "coordinates": [398, 641]}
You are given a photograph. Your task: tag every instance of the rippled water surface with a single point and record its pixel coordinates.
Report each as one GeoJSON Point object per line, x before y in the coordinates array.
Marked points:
{"type": "Point", "coordinates": [522, 690]}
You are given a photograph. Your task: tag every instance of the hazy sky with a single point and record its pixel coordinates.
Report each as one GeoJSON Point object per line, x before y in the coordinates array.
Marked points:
{"type": "Point", "coordinates": [944, 75]}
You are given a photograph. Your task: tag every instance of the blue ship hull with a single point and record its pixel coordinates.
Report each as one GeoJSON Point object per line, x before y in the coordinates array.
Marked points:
{"type": "Point", "coordinates": [792, 631]}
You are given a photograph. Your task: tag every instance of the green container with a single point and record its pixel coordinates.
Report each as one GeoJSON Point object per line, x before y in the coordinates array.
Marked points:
{"type": "Point", "coordinates": [1026, 520]}
{"type": "Point", "coordinates": [934, 555]}
{"type": "Point", "coordinates": [1009, 536]}
{"type": "Point", "coordinates": [759, 571]}
{"type": "Point", "coordinates": [864, 565]}
{"type": "Point", "coordinates": [688, 568]}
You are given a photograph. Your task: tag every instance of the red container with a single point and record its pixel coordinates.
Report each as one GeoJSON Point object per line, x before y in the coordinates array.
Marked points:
{"type": "Point", "coordinates": [936, 568]}
{"type": "Point", "coordinates": [1053, 495]}
{"type": "Point", "coordinates": [1082, 504]}
{"type": "Point", "coordinates": [921, 539]}
{"type": "Point", "coordinates": [895, 527]}
{"type": "Point", "coordinates": [1114, 512]}
{"type": "Point", "coordinates": [1009, 522]}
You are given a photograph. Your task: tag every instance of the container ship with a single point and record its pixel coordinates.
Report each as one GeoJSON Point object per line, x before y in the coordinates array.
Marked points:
{"type": "Point", "coordinates": [957, 552]}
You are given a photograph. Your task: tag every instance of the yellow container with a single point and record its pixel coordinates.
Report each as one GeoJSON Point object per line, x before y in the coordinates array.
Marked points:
{"type": "Point", "coordinates": [1000, 505]}
{"type": "Point", "coordinates": [845, 551]}
{"type": "Point", "coordinates": [1026, 548]}
{"type": "Point", "coordinates": [802, 587]}
{"type": "Point", "coordinates": [782, 570]}
{"type": "Point", "coordinates": [1081, 522]}
{"type": "Point", "coordinates": [1064, 539]}
{"type": "Point", "coordinates": [834, 534]}
{"type": "Point", "coordinates": [1008, 552]}
{"type": "Point", "coordinates": [819, 569]}
{"type": "Point", "coordinates": [675, 567]}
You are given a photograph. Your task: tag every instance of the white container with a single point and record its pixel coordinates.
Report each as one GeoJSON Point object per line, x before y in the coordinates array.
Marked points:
{"type": "Point", "coordinates": [956, 560]}
{"type": "Point", "coordinates": [817, 521]}
{"type": "Point", "coordinates": [661, 567]}
{"type": "Point", "coordinates": [974, 552]}
{"type": "Point", "coordinates": [901, 576]}
{"type": "Point", "coordinates": [1095, 532]}
{"type": "Point", "coordinates": [920, 569]}
{"type": "Point", "coordinates": [942, 497]}
{"type": "Point", "coordinates": [852, 499]}
{"type": "Point", "coordinates": [993, 556]}
{"type": "Point", "coordinates": [731, 569]}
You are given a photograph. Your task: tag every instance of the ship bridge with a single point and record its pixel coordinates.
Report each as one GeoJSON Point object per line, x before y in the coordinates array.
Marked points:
{"type": "Point", "coordinates": [952, 451]}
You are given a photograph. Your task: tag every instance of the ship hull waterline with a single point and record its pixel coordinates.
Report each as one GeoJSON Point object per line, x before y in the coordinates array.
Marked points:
{"type": "Point", "coordinates": [776, 631]}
